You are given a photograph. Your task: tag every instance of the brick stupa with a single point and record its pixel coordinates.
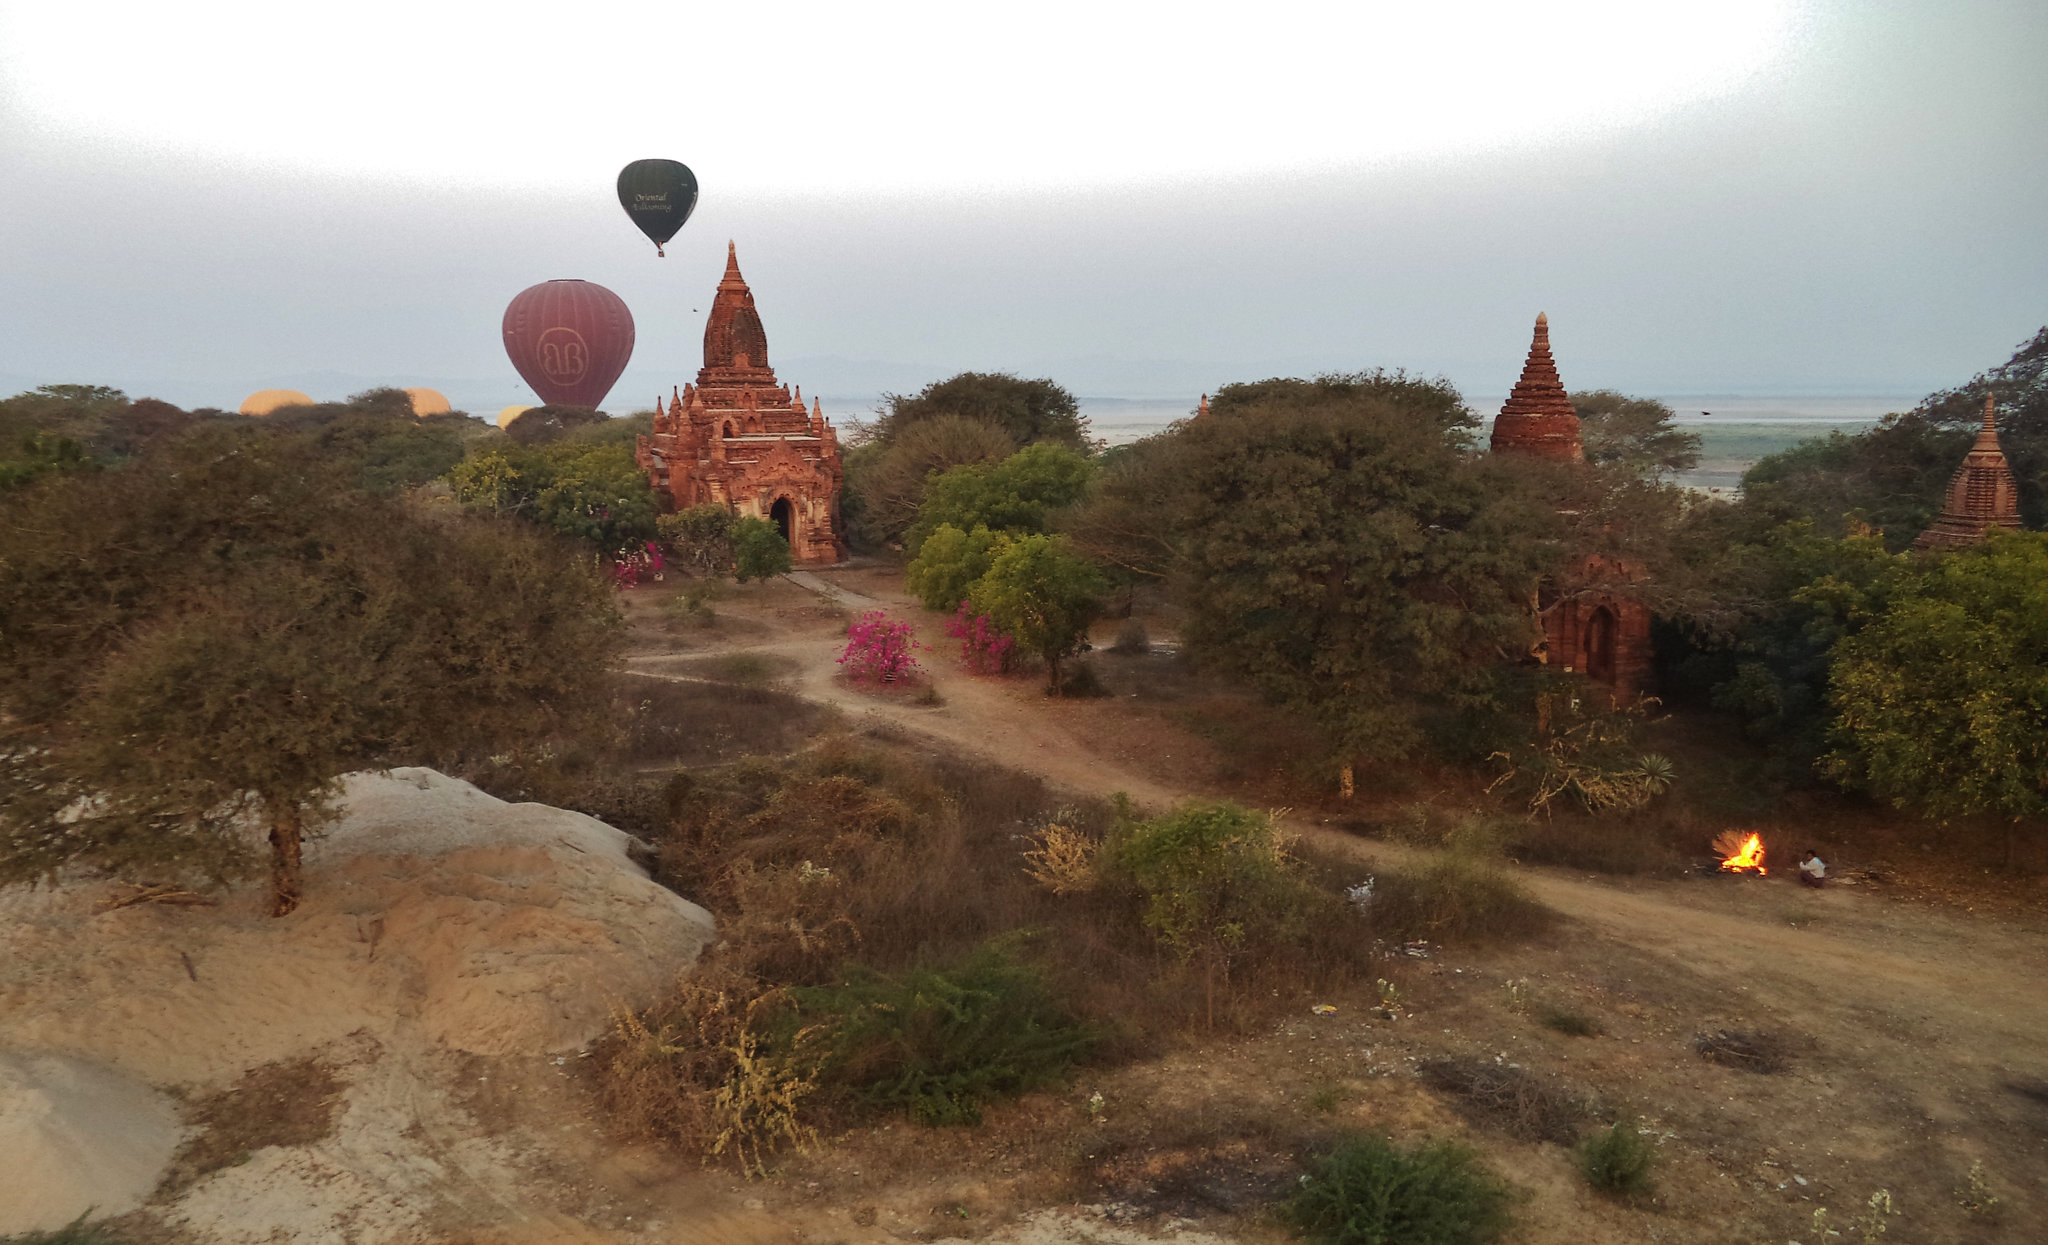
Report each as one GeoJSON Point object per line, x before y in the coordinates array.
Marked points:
{"type": "Point", "coordinates": [1595, 623]}
{"type": "Point", "coordinates": [1982, 495]}
{"type": "Point", "coordinates": [740, 439]}
{"type": "Point", "coordinates": [1538, 419]}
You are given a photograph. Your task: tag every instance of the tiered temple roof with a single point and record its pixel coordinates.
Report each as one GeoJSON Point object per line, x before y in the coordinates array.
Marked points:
{"type": "Point", "coordinates": [1981, 496]}
{"type": "Point", "coordinates": [740, 438]}
{"type": "Point", "coordinates": [1538, 419]}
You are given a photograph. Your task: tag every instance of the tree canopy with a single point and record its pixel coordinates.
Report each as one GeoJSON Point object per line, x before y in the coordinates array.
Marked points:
{"type": "Point", "coordinates": [1339, 545]}
{"type": "Point", "coordinates": [220, 631]}
{"type": "Point", "coordinates": [1637, 435]}
{"type": "Point", "coordinates": [1941, 695]}
{"type": "Point", "coordinates": [595, 493]}
{"type": "Point", "coordinates": [1042, 595]}
{"type": "Point", "coordinates": [1025, 411]}
{"type": "Point", "coordinates": [1018, 494]}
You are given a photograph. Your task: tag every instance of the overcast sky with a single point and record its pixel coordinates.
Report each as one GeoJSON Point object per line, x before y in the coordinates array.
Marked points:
{"type": "Point", "coordinates": [204, 199]}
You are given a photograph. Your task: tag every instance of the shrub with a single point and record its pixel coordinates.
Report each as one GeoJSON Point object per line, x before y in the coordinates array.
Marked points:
{"type": "Point", "coordinates": [939, 1043]}
{"type": "Point", "coordinates": [880, 649]}
{"type": "Point", "coordinates": [1366, 1192]}
{"type": "Point", "coordinates": [1132, 640]}
{"type": "Point", "coordinates": [758, 550]}
{"type": "Point", "coordinates": [691, 606]}
{"type": "Point", "coordinates": [1214, 879]}
{"type": "Point", "coordinates": [983, 645]}
{"type": "Point", "coordinates": [1615, 1160]}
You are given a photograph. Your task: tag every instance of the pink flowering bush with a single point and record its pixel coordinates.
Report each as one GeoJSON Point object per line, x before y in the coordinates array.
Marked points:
{"type": "Point", "coordinates": [983, 646]}
{"type": "Point", "coordinates": [879, 649]}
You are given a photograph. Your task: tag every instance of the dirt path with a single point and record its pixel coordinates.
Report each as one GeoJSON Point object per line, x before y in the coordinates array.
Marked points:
{"type": "Point", "coordinates": [1921, 1027]}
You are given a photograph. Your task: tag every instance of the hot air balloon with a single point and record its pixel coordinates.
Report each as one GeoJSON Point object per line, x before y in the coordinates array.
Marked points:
{"type": "Point", "coordinates": [569, 339]}
{"type": "Point", "coordinates": [659, 195]}
{"type": "Point", "coordinates": [428, 401]}
{"type": "Point", "coordinates": [266, 401]}
{"type": "Point", "coordinates": [510, 413]}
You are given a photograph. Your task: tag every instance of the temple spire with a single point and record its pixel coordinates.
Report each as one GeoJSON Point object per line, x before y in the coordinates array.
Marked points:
{"type": "Point", "coordinates": [1982, 494]}
{"type": "Point", "coordinates": [1538, 420]}
{"type": "Point", "coordinates": [1202, 411]}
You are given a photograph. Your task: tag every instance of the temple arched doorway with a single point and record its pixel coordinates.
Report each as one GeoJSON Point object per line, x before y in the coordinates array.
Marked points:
{"type": "Point", "coordinates": [784, 515]}
{"type": "Point", "coordinates": [1600, 629]}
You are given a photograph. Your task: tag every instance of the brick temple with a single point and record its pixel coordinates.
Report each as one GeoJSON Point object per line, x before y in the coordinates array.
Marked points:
{"type": "Point", "coordinates": [1982, 495]}
{"type": "Point", "coordinates": [740, 438]}
{"type": "Point", "coordinates": [1593, 624]}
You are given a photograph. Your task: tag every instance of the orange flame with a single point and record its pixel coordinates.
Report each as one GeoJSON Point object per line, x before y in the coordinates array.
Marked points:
{"type": "Point", "coordinates": [1741, 853]}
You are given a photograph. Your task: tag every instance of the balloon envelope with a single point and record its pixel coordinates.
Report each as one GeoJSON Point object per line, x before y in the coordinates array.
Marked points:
{"type": "Point", "coordinates": [265, 401]}
{"type": "Point", "coordinates": [428, 401]}
{"type": "Point", "coordinates": [569, 339]}
{"type": "Point", "coordinates": [659, 195]}
{"type": "Point", "coordinates": [510, 413]}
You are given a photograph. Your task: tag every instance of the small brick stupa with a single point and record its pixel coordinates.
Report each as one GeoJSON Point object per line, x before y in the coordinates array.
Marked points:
{"type": "Point", "coordinates": [739, 438]}
{"type": "Point", "coordinates": [1593, 624]}
{"type": "Point", "coordinates": [1981, 496]}
{"type": "Point", "coordinates": [1538, 420]}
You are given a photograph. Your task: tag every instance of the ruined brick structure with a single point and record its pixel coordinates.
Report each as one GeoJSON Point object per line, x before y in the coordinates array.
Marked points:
{"type": "Point", "coordinates": [1592, 623]}
{"type": "Point", "coordinates": [1981, 495]}
{"type": "Point", "coordinates": [1538, 420]}
{"type": "Point", "coordinates": [740, 439]}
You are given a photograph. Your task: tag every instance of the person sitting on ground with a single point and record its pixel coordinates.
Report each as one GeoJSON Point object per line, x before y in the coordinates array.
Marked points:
{"type": "Point", "coordinates": [1812, 869]}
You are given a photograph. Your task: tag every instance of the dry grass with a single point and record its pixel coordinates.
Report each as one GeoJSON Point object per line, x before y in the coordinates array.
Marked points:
{"type": "Point", "coordinates": [1763, 1053]}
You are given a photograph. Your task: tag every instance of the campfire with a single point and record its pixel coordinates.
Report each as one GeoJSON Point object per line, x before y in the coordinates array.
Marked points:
{"type": "Point", "coordinates": [1740, 853]}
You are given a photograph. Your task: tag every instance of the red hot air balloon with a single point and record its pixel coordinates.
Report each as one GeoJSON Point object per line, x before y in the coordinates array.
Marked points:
{"type": "Point", "coordinates": [569, 339]}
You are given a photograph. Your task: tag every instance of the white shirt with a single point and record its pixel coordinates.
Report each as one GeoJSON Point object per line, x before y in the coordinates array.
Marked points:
{"type": "Point", "coordinates": [1816, 867]}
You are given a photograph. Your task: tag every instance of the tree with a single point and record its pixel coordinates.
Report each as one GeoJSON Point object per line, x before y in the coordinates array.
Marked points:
{"type": "Point", "coordinates": [1027, 412]}
{"type": "Point", "coordinates": [1041, 595]}
{"type": "Point", "coordinates": [1941, 697]}
{"type": "Point", "coordinates": [219, 632]}
{"type": "Point", "coordinates": [1018, 494]}
{"type": "Point", "coordinates": [1637, 435]}
{"type": "Point", "coordinates": [758, 550]}
{"type": "Point", "coordinates": [700, 537]}
{"type": "Point", "coordinates": [1344, 550]}
{"type": "Point", "coordinates": [543, 425]}
{"type": "Point", "coordinates": [595, 493]}
{"type": "Point", "coordinates": [885, 480]}
{"type": "Point", "coordinates": [943, 573]}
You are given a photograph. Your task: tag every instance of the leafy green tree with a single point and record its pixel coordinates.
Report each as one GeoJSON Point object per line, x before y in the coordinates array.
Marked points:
{"type": "Point", "coordinates": [758, 550]}
{"type": "Point", "coordinates": [1017, 495]}
{"type": "Point", "coordinates": [1344, 550]}
{"type": "Point", "coordinates": [943, 573]}
{"type": "Point", "coordinates": [219, 632]}
{"type": "Point", "coordinates": [1027, 412]}
{"type": "Point", "coordinates": [102, 421]}
{"type": "Point", "coordinates": [593, 493]}
{"type": "Point", "coordinates": [1941, 698]}
{"type": "Point", "coordinates": [1637, 435]}
{"type": "Point", "coordinates": [885, 480]}
{"type": "Point", "coordinates": [1129, 518]}
{"type": "Point", "coordinates": [700, 537]}
{"type": "Point", "coordinates": [40, 454]}
{"type": "Point", "coordinates": [1042, 596]}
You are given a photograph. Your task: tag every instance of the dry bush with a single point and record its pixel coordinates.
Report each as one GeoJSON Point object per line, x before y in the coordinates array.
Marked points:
{"type": "Point", "coordinates": [1064, 860]}
{"type": "Point", "coordinates": [1764, 1053]}
{"type": "Point", "coordinates": [1513, 1100]}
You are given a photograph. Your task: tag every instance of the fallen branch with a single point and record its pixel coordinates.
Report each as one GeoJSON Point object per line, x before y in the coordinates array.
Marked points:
{"type": "Point", "coordinates": [157, 894]}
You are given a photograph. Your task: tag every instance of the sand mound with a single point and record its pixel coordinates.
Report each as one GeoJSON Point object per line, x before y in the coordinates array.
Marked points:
{"type": "Point", "coordinates": [73, 1135]}
{"type": "Point", "coordinates": [436, 918]}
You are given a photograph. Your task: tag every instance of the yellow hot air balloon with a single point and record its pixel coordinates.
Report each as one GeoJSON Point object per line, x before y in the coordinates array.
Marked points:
{"type": "Point", "coordinates": [268, 401]}
{"type": "Point", "coordinates": [428, 402]}
{"type": "Point", "coordinates": [510, 413]}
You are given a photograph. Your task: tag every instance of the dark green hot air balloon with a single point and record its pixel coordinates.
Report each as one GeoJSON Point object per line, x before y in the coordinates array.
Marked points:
{"type": "Point", "coordinates": [659, 195]}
